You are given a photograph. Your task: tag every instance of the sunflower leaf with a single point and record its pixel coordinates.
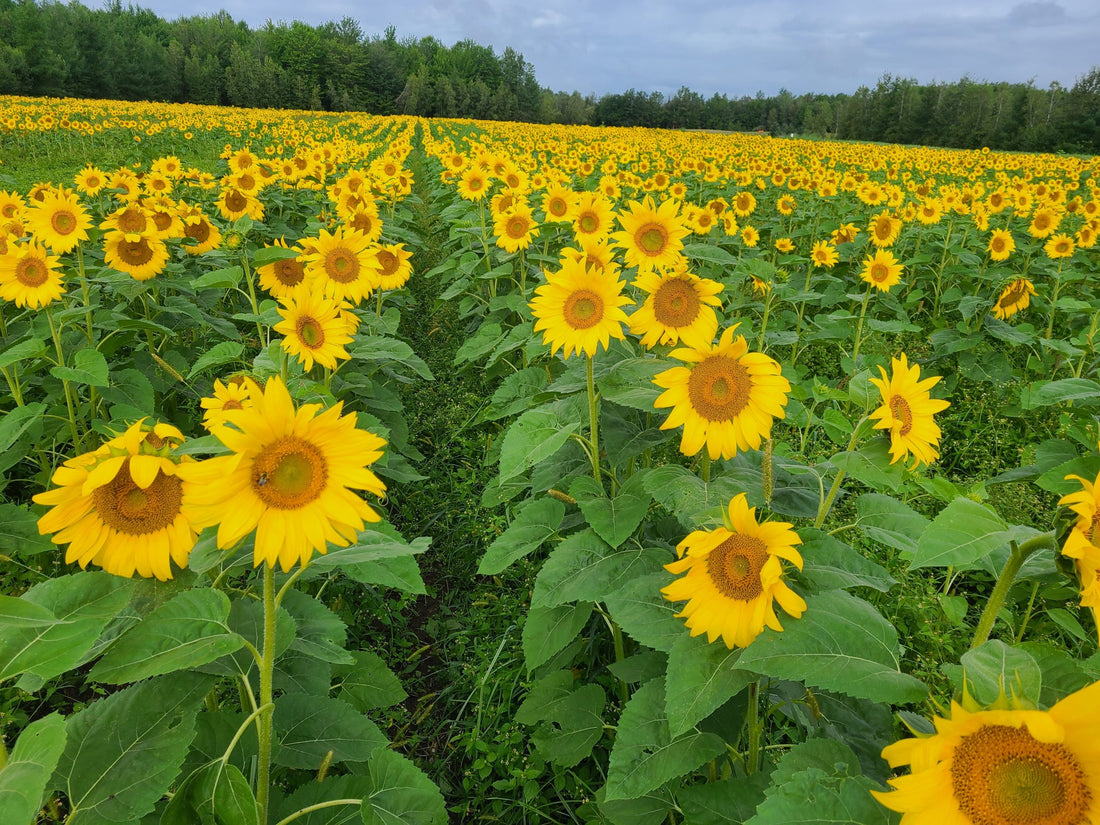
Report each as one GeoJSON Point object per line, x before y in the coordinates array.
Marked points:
{"type": "Point", "coordinates": [309, 727]}
{"type": "Point", "coordinates": [700, 678]}
{"type": "Point", "coordinates": [23, 779]}
{"type": "Point", "coordinates": [223, 353]}
{"type": "Point", "coordinates": [641, 611]}
{"type": "Point", "coordinates": [963, 533]}
{"type": "Point", "coordinates": [549, 629]}
{"type": "Point", "coordinates": [583, 566]}
{"type": "Point", "coordinates": [571, 719]}
{"type": "Point", "coordinates": [89, 366]}
{"type": "Point", "coordinates": [890, 522]}
{"type": "Point", "coordinates": [534, 524]}
{"type": "Point", "coordinates": [400, 793]}
{"type": "Point", "coordinates": [534, 436]}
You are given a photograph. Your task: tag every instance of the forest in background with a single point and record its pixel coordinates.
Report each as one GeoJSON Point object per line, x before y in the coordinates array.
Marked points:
{"type": "Point", "coordinates": [130, 53]}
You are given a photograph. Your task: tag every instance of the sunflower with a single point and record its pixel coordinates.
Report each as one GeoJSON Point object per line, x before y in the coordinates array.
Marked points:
{"type": "Point", "coordinates": [125, 506]}
{"type": "Point", "coordinates": [132, 218]}
{"type": "Point", "coordinates": [1002, 767]}
{"type": "Point", "coordinates": [592, 216]}
{"type": "Point", "coordinates": [343, 264]}
{"type": "Point", "coordinates": [291, 477]}
{"type": "Point", "coordinates": [881, 270]}
{"type": "Point", "coordinates": [515, 228]}
{"type": "Point", "coordinates": [234, 203]}
{"type": "Point", "coordinates": [846, 233]}
{"type": "Point", "coordinates": [726, 400]}
{"type": "Point", "coordinates": [141, 256]}
{"type": "Point", "coordinates": [202, 234]}
{"type": "Point", "coordinates": [29, 276]}
{"type": "Point", "coordinates": [651, 237]}
{"type": "Point", "coordinates": [557, 203]}
{"type": "Point", "coordinates": [285, 276]}
{"type": "Point", "coordinates": [824, 254]}
{"type": "Point", "coordinates": [784, 245]}
{"type": "Point", "coordinates": [907, 411]}
{"type": "Point", "coordinates": [930, 211]}
{"type": "Point", "coordinates": [228, 395]}
{"type": "Point", "coordinates": [474, 184]}
{"type": "Point", "coordinates": [786, 205]}
{"type": "Point", "coordinates": [884, 229]}
{"type": "Point", "coordinates": [593, 253]}
{"type": "Point", "coordinates": [90, 180]}
{"type": "Point", "coordinates": [1015, 297]}
{"type": "Point", "coordinates": [1059, 246]}
{"type": "Point", "coordinates": [1001, 245]}
{"type": "Point", "coordinates": [11, 206]}
{"type": "Point", "coordinates": [394, 265]}
{"type": "Point", "coordinates": [733, 577]}
{"type": "Point", "coordinates": [313, 329]}
{"type": "Point", "coordinates": [1083, 543]}
{"type": "Point", "coordinates": [750, 236]}
{"type": "Point", "coordinates": [59, 221]}
{"type": "Point", "coordinates": [1044, 222]}
{"type": "Point", "coordinates": [579, 308]}
{"type": "Point", "coordinates": [743, 204]}
{"type": "Point", "coordinates": [679, 307]}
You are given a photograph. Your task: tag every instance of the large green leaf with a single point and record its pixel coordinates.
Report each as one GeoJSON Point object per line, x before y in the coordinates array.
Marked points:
{"type": "Point", "coordinates": [630, 383]}
{"type": "Point", "coordinates": [88, 366]}
{"type": "Point", "coordinates": [187, 631]}
{"type": "Point", "coordinates": [571, 719]}
{"type": "Point", "coordinates": [320, 634]}
{"type": "Point", "coordinates": [871, 465]}
{"type": "Point", "coordinates": [585, 567]}
{"type": "Point", "coordinates": [890, 522]}
{"type": "Point", "coordinates": [372, 545]}
{"type": "Point", "coordinates": [727, 802]}
{"type": "Point", "coordinates": [547, 630]}
{"type": "Point", "coordinates": [963, 533]}
{"type": "Point", "coordinates": [225, 352]}
{"type": "Point", "coordinates": [351, 788]}
{"type": "Point", "coordinates": [308, 727]}
{"type": "Point", "coordinates": [532, 526]}
{"type": "Point", "coordinates": [30, 765]}
{"type": "Point", "coordinates": [688, 497]}
{"type": "Point", "coordinates": [646, 755]}
{"type": "Point", "coordinates": [1047, 393]}
{"type": "Point", "coordinates": [841, 643]}
{"type": "Point", "coordinates": [534, 436]}
{"type": "Point", "coordinates": [17, 422]}
{"type": "Point", "coordinates": [830, 564]}
{"type": "Point", "coordinates": [995, 670]}
{"type": "Point", "coordinates": [701, 677]}
{"type": "Point", "coordinates": [389, 351]}
{"type": "Point", "coordinates": [123, 752]}
{"type": "Point", "coordinates": [82, 604]}
{"type": "Point", "coordinates": [215, 794]}
{"type": "Point", "coordinates": [614, 519]}
{"type": "Point", "coordinates": [369, 683]}
{"type": "Point", "coordinates": [401, 793]}
{"type": "Point", "coordinates": [641, 610]}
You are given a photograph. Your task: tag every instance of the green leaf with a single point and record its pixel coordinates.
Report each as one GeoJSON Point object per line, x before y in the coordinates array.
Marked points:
{"type": "Point", "coordinates": [841, 643]}
{"type": "Point", "coordinates": [89, 366]}
{"type": "Point", "coordinates": [1047, 393]}
{"type": "Point", "coordinates": [701, 677]}
{"type": "Point", "coordinates": [641, 610]}
{"type": "Point", "coordinates": [271, 254]}
{"type": "Point", "coordinates": [187, 631]}
{"type": "Point", "coordinates": [30, 765]}
{"type": "Point", "coordinates": [401, 794]}
{"type": "Point", "coordinates": [583, 566]}
{"type": "Point", "coordinates": [130, 390]}
{"type": "Point", "coordinates": [480, 344]}
{"type": "Point", "coordinates": [830, 564]}
{"type": "Point", "coordinates": [389, 351]}
{"type": "Point", "coordinates": [17, 422]}
{"type": "Point", "coordinates": [401, 573]}
{"type": "Point", "coordinates": [82, 604]}
{"type": "Point", "coordinates": [687, 496]}
{"type": "Point", "coordinates": [308, 727]}
{"type": "Point", "coordinates": [710, 253]}
{"type": "Point", "coordinates": [727, 802]}
{"type": "Point", "coordinates": [224, 797]}
{"type": "Point", "coordinates": [219, 279]}
{"type": "Point", "coordinates": [314, 793]}
{"type": "Point", "coordinates": [372, 545]}
{"type": "Point", "coordinates": [516, 393]}
{"type": "Point", "coordinates": [614, 519]}
{"type": "Point", "coordinates": [963, 533]}
{"type": "Point", "coordinates": [645, 754]}
{"type": "Point", "coordinates": [31, 348]}
{"type": "Point", "coordinates": [630, 383]}
{"type": "Point", "coordinates": [123, 752]}
{"type": "Point", "coordinates": [888, 521]}
{"type": "Point", "coordinates": [530, 529]}
{"type": "Point", "coordinates": [321, 634]}
{"type": "Point", "coordinates": [994, 670]}
{"type": "Point", "coordinates": [534, 436]}
{"type": "Point", "coordinates": [369, 684]}
{"type": "Point", "coordinates": [19, 536]}
{"type": "Point", "coordinates": [224, 353]}
{"type": "Point", "coordinates": [571, 716]}
{"type": "Point", "coordinates": [547, 630]}
{"type": "Point", "coordinates": [871, 465]}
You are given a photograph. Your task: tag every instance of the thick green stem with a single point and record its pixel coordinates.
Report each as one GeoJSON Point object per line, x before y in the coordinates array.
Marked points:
{"type": "Point", "coordinates": [1016, 559]}
{"type": "Point", "coordinates": [764, 319]}
{"type": "Point", "coordinates": [827, 502]}
{"type": "Point", "coordinates": [264, 719]}
{"type": "Point", "coordinates": [1053, 301]}
{"type": "Point", "coordinates": [252, 300]}
{"type": "Point", "coordinates": [753, 722]}
{"type": "Point", "coordinates": [594, 425]}
{"type": "Point", "coordinates": [87, 293]}
{"type": "Point", "coordinates": [69, 402]}
{"type": "Point", "coordinates": [859, 327]}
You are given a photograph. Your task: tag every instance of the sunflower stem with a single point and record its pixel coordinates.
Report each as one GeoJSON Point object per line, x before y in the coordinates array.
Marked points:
{"type": "Point", "coordinates": [1088, 354]}
{"type": "Point", "coordinates": [66, 386]}
{"type": "Point", "coordinates": [593, 418]}
{"type": "Point", "coordinates": [827, 502]}
{"type": "Point", "coordinates": [87, 293]}
{"type": "Point", "coordinates": [252, 299]}
{"type": "Point", "coordinates": [704, 467]}
{"type": "Point", "coordinates": [1053, 301]}
{"type": "Point", "coordinates": [859, 327]}
{"type": "Point", "coordinates": [13, 384]}
{"type": "Point", "coordinates": [755, 727]}
{"type": "Point", "coordinates": [764, 319]}
{"type": "Point", "coordinates": [264, 718]}
{"type": "Point", "coordinates": [1016, 559]}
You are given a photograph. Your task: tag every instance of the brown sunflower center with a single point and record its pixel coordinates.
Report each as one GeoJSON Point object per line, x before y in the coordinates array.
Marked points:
{"type": "Point", "coordinates": [587, 222]}
{"type": "Point", "coordinates": [289, 272]}
{"type": "Point", "coordinates": [998, 244]}
{"type": "Point", "coordinates": [583, 309]}
{"type": "Point", "coordinates": [362, 222]}
{"type": "Point", "coordinates": [135, 253]}
{"type": "Point", "coordinates": [719, 388]}
{"type": "Point", "coordinates": [557, 207]}
{"type": "Point", "coordinates": [475, 183]}
{"type": "Point", "coordinates": [734, 567]}
{"type": "Point", "coordinates": [1002, 775]}
{"type": "Point", "coordinates": [516, 227]}
{"type": "Point", "coordinates": [8, 210]}
{"type": "Point", "coordinates": [232, 404]}
{"type": "Point", "coordinates": [902, 412]}
{"type": "Point", "coordinates": [676, 303]}
{"type": "Point", "coordinates": [1012, 295]}
{"type": "Point", "coordinates": [341, 265]}
{"type": "Point", "coordinates": [235, 201]}
{"type": "Point", "coordinates": [884, 228]}
{"type": "Point", "coordinates": [63, 222]}
{"type": "Point", "coordinates": [131, 220]}
{"type": "Point", "coordinates": [246, 182]}
{"type": "Point", "coordinates": [310, 332]}
{"type": "Point", "coordinates": [162, 221]}
{"type": "Point", "coordinates": [129, 509]}
{"type": "Point", "coordinates": [32, 272]}
{"type": "Point", "coordinates": [289, 473]}
{"type": "Point", "coordinates": [879, 273]}
{"type": "Point", "coordinates": [199, 231]}
{"type": "Point", "coordinates": [652, 238]}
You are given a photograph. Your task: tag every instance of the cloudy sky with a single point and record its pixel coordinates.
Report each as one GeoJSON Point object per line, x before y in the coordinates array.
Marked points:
{"type": "Point", "coordinates": [735, 47]}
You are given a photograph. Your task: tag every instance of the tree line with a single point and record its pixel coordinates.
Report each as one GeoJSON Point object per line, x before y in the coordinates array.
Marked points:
{"type": "Point", "coordinates": [130, 53]}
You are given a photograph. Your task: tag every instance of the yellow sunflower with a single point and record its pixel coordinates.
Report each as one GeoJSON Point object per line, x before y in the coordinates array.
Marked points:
{"type": "Point", "coordinates": [750, 236]}
{"type": "Point", "coordinates": [679, 306]}
{"type": "Point", "coordinates": [199, 233]}
{"type": "Point", "coordinates": [592, 216]}
{"type": "Point", "coordinates": [11, 206]}
{"type": "Point", "coordinates": [557, 203]}
{"type": "Point", "coordinates": [726, 400]}
{"type": "Point", "coordinates": [1001, 245]}
{"type": "Point", "coordinates": [141, 256]}
{"type": "Point", "coordinates": [743, 204]}
{"type": "Point", "coordinates": [1002, 767]}
{"type": "Point", "coordinates": [907, 410]}
{"type": "Point", "coordinates": [90, 180]}
{"type": "Point", "coordinates": [59, 221]}
{"type": "Point", "coordinates": [124, 507]}
{"type": "Point", "coordinates": [515, 228]}
{"type": "Point", "coordinates": [881, 270]}
{"type": "Point", "coordinates": [130, 218]}
{"type": "Point", "coordinates": [579, 308]}
{"type": "Point", "coordinates": [1083, 543]}
{"type": "Point", "coordinates": [313, 329]}
{"type": "Point", "coordinates": [1044, 222]}
{"type": "Point", "coordinates": [733, 577]}
{"type": "Point", "coordinates": [291, 477]}
{"type": "Point", "coordinates": [233, 203]}
{"type": "Point", "coordinates": [1015, 297]}
{"type": "Point", "coordinates": [474, 184]}
{"type": "Point", "coordinates": [29, 276]}
{"type": "Point", "coordinates": [651, 237]}
{"type": "Point", "coordinates": [784, 245]}
{"type": "Point", "coordinates": [228, 395]}
{"type": "Point", "coordinates": [283, 277]}
{"type": "Point", "coordinates": [884, 229]}
{"type": "Point", "coordinates": [1059, 246]}
{"type": "Point", "coordinates": [824, 254]}
{"type": "Point", "coordinates": [343, 265]}
{"type": "Point", "coordinates": [394, 266]}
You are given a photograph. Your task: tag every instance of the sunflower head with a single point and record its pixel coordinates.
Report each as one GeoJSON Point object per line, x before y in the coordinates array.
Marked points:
{"type": "Point", "coordinates": [579, 308]}
{"type": "Point", "coordinates": [907, 412]}
{"type": "Point", "coordinates": [679, 306]}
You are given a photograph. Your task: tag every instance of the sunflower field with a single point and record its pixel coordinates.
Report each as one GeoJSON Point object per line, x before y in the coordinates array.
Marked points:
{"type": "Point", "coordinates": [406, 471]}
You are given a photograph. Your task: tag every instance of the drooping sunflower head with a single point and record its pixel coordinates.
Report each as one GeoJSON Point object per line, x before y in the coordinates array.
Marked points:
{"type": "Point", "coordinates": [907, 412]}
{"type": "Point", "coordinates": [726, 399]}
{"type": "Point", "coordinates": [679, 306]}
{"type": "Point", "coordinates": [124, 507]}
{"type": "Point", "coordinates": [1014, 298]}
{"type": "Point", "coordinates": [579, 309]}
{"type": "Point", "coordinates": [1002, 767]}
{"type": "Point", "coordinates": [733, 577]}
{"type": "Point", "coordinates": [30, 276]}
{"type": "Point", "coordinates": [651, 237]}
